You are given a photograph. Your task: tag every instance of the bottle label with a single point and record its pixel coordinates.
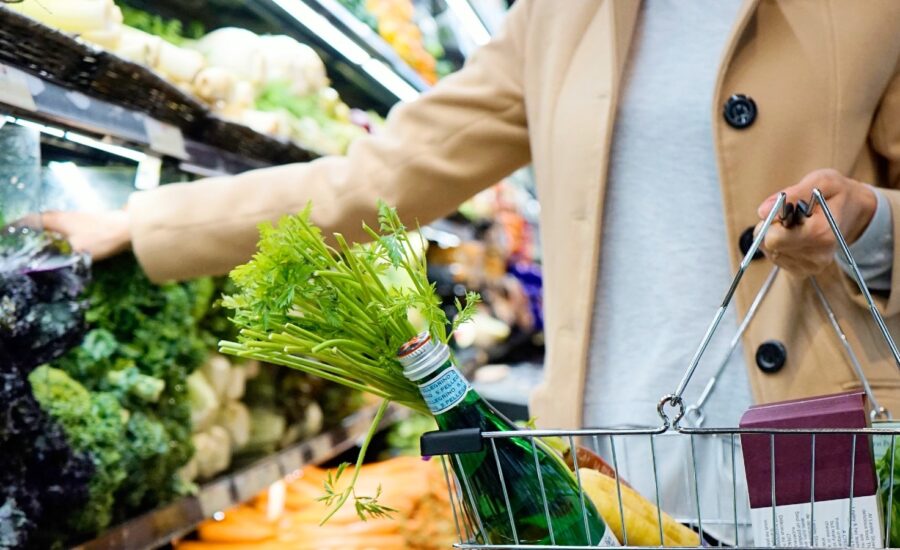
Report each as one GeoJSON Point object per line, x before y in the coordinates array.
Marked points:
{"type": "Point", "coordinates": [445, 391]}
{"type": "Point", "coordinates": [609, 540]}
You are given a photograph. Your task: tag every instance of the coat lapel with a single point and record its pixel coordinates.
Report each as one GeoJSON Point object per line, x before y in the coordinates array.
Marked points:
{"type": "Point", "coordinates": [583, 119]}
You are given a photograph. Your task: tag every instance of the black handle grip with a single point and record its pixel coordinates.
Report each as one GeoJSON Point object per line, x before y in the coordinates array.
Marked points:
{"type": "Point", "coordinates": [467, 440]}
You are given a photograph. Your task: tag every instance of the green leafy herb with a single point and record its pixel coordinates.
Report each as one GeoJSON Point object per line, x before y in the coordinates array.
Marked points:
{"type": "Point", "coordinates": [888, 468]}
{"type": "Point", "coordinates": [333, 312]}
{"type": "Point", "coordinates": [172, 30]}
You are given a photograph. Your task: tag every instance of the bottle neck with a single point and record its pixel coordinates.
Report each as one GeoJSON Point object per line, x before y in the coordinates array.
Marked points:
{"type": "Point", "coordinates": [445, 388]}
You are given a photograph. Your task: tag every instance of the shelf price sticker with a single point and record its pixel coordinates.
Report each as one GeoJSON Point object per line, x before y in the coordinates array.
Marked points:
{"type": "Point", "coordinates": [165, 138]}
{"type": "Point", "coordinates": [250, 482]}
{"type": "Point", "coordinates": [14, 89]}
{"type": "Point", "coordinates": [215, 497]}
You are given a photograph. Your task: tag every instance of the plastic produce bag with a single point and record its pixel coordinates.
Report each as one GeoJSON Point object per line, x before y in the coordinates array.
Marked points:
{"type": "Point", "coordinates": [41, 279]}
{"type": "Point", "coordinates": [20, 172]}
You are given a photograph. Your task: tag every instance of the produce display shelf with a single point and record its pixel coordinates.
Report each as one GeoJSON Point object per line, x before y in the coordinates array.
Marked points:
{"type": "Point", "coordinates": [76, 85]}
{"type": "Point", "coordinates": [162, 525]}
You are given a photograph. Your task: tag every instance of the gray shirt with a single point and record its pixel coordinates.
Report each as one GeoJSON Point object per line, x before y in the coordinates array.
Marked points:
{"type": "Point", "coordinates": [664, 263]}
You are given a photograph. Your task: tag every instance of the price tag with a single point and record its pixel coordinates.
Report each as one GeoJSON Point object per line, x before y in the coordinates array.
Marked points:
{"type": "Point", "coordinates": [14, 89]}
{"type": "Point", "coordinates": [291, 461]}
{"type": "Point", "coordinates": [322, 447]}
{"type": "Point", "coordinates": [165, 138]}
{"type": "Point", "coordinates": [251, 482]}
{"type": "Point", "coordinates": [215, 497]}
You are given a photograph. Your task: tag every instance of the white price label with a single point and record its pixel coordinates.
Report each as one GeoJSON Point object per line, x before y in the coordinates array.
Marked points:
{"type": "Point", "coordinates": [14, 89]}
{"type": "Point", "coordinates": [215, 497]}
{"type": "Point", "coordinates": [291, 461]}
{"type": "Point", "coordinates": [165, 138]}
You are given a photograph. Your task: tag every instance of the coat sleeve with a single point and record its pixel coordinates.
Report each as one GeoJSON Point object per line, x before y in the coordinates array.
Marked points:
{"type": "Point", "coordinates": [884, 137]}
{"type": "Point", "coordinates": [462, 136]}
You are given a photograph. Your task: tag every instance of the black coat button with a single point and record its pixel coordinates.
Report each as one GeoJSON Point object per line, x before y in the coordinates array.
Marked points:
{"type": "Point", "coordinates": [746, 241]}
{"type": "Point", "coordinates": [740, 111]}
{"type": "Point", "coordinates": [771, 356]}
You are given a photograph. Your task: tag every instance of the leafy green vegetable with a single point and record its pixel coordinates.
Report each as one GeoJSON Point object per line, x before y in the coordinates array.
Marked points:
{"type": "Point", "coordinates": [888, 469]}
{"type": "Point", "coordinates": [171, 30]}
{"type": "Point", "coordinates": [95, 424]}
{"type": "Point", "coordinates": [143, 343]}
{"type": "Point", "coordinates": [304, 304]}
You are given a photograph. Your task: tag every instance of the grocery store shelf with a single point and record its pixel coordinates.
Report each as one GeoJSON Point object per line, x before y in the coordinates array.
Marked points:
{"type": "Point", "coordinates": [63, 113]}
{"type": "Point", "coordinates": [160, 526]}
{"type": "Point", "coordinates": [69, 85]}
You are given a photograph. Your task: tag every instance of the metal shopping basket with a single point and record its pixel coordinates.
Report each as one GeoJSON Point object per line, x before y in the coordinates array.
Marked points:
{"type": "Point", "coordinates": [682, 424]}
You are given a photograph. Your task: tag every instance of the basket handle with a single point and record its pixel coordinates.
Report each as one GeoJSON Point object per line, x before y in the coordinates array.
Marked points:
{"type": "Point", "coordinates": [789, 215]}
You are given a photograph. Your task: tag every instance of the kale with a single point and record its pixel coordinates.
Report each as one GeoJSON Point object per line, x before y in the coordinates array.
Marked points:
{"type": "Point", "coordinates": [142, 344]}
{"type": "Point", "coordinates": [42, 478]}
{"type": "Point", "coordinates": [94, 424]}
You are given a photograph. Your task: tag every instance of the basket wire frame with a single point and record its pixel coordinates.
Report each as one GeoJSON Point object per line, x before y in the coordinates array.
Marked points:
{"type": "Point", "coordinates": [472, 535]}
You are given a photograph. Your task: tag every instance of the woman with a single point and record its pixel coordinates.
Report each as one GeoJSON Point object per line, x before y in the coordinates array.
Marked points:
{"type": "Point", "coordinates": [659, 132]}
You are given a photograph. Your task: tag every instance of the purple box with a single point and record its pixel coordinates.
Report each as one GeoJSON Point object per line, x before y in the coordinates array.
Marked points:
{"type": "Point", "coordinates": [793, 453]}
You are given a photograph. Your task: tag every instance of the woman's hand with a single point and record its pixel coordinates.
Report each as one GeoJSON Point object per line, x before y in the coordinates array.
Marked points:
{"type": "Point", "coordinates": [808, 248]}
{"type": "Point", "coordinates": [100, 234]}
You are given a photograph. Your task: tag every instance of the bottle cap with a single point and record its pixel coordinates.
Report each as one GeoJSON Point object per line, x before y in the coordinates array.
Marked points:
{"type": "Point", "coordinates": [421, 356]}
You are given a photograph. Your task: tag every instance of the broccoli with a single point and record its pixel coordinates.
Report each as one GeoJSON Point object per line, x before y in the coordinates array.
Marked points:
{"type": "Point", "coordinates": [94, 424]}
{"type": "Point", "coordinates": [41, 477]}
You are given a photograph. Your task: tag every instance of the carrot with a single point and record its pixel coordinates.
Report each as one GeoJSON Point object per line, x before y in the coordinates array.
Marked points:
{"type": "Point", "coordinates": [205, 545]}
{"type": "Point", "coordinates": [224, 531]}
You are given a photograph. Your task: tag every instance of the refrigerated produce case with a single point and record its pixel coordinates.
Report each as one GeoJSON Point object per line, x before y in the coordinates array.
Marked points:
{"type": "Point", "coordinates": [91, 128]}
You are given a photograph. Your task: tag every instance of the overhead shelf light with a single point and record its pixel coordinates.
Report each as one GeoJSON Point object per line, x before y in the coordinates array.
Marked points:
{"type": "Point", "coordinates": [470, 21]}
{"type": "Point", "coordinates": [349, 49]}
{"type": "Point", "coordinates": [117, 150]}
{"type": "Point", "coordinates": [49, 130]}
{"type": "Point", "coordinates": [390, 80]}
{"type": "Point", "coordinates": [320, 26]}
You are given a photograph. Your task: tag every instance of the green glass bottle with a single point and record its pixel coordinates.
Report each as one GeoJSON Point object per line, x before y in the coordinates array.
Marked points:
{"type": "Point", "coordinates": [573, 519]}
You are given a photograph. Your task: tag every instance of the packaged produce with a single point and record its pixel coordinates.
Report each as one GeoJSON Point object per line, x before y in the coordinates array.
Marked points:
{"type": "Point", "coordinates": [44, 476]}
{"type": "Point", "coordinates": [41, 313]}
{"type": "Point", "coordinates": [843, 472]}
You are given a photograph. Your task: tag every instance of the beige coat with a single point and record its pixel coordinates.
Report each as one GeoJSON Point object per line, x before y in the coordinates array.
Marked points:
{"type": "Point", "coordinates": [823, 73]}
